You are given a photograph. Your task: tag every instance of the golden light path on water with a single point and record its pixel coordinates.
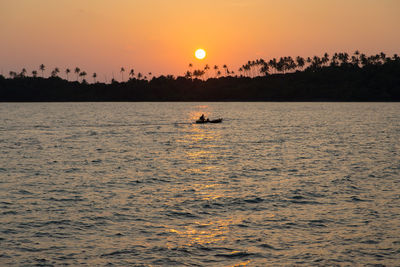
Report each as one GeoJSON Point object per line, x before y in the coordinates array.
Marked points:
{"type": "Point", "coordinates": [204, 232]}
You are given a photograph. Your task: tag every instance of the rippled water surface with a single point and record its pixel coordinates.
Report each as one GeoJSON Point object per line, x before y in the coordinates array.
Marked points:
{"type": "Point", "coordinates": [139, 184]}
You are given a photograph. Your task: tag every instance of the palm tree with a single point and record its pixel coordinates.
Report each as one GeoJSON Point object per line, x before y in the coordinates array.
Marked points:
{"type": "Point", "coordinates": [291, 64]}
{"type": "Point", "coordinates": [13, 74]}
{"type": "Point", "coordinates": [265, 69]}
{"type": "Point", "coordinates": [42, 68]}
{"type": "Point", "coordinates": [280, 65]}
{"type": "Point", "coordinates": [344, 57]}
{"type": "Point", "coordinates": [309, 61]}
{"type": "Point", "coordinates": [55, 72]}
{"type": "Point", "coordinates": [334, 60]}
{"type": "Point", "coordinates": [23, 72]}
{"type": "Point", "coordinates": [132, 73]}
{"type": "Point", "coordinates": [273, 64]}
{"type": "Point", "coordinates": [190, 68]}
{"type": "Point", "coordinates": [83, 75]}
{"type": "Point", "coordinates": [94, 77]}
{"type": "Point", "coordinates": [216, 70]}
{"type": "Point", "coordinates": [260, 64]}
{"type": "Point", "coordinates": [34, 73]}
{"type": "Point", "coordinates": [67, 71]}
{"type": "Point", "coordinates": [139, 75]}
{"type": "Point", "coordinates": [226, 69]}
{"type": "Point", "coordinates": [198, 73]}
{"type": "Point", "coordinates": [325, 59]}
{"type": "Point", "coordinates": [188, 75]}
{"type": "Point", "coordinates": [383, 57]}
{"type": "Point", "coordinates": [206, 68]}
{"type": "Point", "coordinates": [300, 62]}
{"type": "Point", "coordinates": [363, 60]}
{"type": "Point", "coordinates": [316, 63]}
{"type": "Point", "coordinates": [122, 73]}
{"type": "Point", "coordinates": [77, 71]}
{"type": "Point", "coordinates": [246, 69]}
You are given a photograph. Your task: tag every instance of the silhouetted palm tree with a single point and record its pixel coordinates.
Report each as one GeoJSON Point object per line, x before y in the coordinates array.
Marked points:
{"type": "Point", "coordinates": [334, 60]}
{"type": "Point", "coordinates": [206, 68]}
{"type": "Point", "coordinates": [383, 57]}
{"type": "Point", "coordinates": [226, 69]}
{"type": "Point", "coordinates": [325, 59]}
{"type": "Point", "coordinates": [131, 73]}
{"type": "Point", "coordinates": [316, 63]}
{"type": "Point", "coordinates": [188, 75]}
{"type": "Point", "coordinates": [273, 64]}
{"type": "Point", "coordinates": [265, 69]}
{"type": "Point", "coordinates": [309, 61]}
{"type": "Point", "coordinates": [344, 57]}
{"type": "Point", "coordinates": [139, 75]}
{"type": "Point", "coordinates": [246, 70]}
{"type": "Point", "coordinates": [122, 72]}
{"type": "Point", "coordinates": [55, 72]}
{"type": "Point", "coordinates": [42, 68]}
{"type": "Point", "coordinates": [198, 73]}
{"type": "Point", "coordinates": [215, 70]}
{"type": "Point", "coordinates": [13, 74]}
{"type": "Point", "coordinates": [240, 71]}
{"type": "Point", "coordinates": [34, 73]}
{"type": "Point", "coordinates": [363, 60]}
{"type": "Point", "coordinates": [67, 71]}
{"type": "Point", "coordinates": [83, 75]}
{"type": "Point", "coordinates": [23, 72]}
{"type": "Point", "coordinates": [300, 62]}
{"type": "Point", "coordinates": [77, 71]}
{"type": "Point", "coordinates": [260, 64]}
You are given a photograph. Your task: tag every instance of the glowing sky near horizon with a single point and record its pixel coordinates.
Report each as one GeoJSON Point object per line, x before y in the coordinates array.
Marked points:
{"type": "Point", "coordinates": [161, 36]}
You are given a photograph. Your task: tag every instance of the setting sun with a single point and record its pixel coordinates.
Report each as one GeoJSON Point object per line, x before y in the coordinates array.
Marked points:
{"type": "Point", "coordinates": [200, 53]}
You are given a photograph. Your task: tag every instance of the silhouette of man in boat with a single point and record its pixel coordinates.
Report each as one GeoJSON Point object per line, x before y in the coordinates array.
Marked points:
{"type": "Point", "coordinates": [203, 119]}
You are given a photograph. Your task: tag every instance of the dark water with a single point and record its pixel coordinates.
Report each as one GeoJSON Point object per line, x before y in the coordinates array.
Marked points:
{"type": "Point", "coordinates": [138, 184]}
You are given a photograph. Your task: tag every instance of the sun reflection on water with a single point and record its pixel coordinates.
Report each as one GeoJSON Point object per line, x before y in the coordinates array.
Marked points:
{"type": "Point", "coordinates": [203, 233]}
{"type": "Point", "coordinates": [201, 145]}
{"type": "Point", "coordinates": [208, 191]}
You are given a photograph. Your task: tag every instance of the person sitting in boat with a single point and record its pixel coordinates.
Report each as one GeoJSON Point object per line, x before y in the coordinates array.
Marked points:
{"type": "Point", "coordinates": [202, 118]}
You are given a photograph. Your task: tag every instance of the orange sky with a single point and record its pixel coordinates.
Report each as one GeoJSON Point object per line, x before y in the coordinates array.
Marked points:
{"type": "Point", "coordinates": [161, 35]}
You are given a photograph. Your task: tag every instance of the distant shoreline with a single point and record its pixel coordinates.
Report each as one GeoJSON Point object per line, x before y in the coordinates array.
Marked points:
{"type": "Point", "coordinates": [345, 83]}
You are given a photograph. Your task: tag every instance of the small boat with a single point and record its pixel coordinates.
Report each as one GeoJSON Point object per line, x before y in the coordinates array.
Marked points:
{"type": "Point", "coordinates": [210, 121]}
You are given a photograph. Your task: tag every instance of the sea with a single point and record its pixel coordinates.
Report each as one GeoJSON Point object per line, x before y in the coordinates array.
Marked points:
{"type": "Point", "coordinates": [141, 184]}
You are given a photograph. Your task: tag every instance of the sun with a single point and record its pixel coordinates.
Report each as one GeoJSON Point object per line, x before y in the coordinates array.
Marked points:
{"type": "Point", "coordinates": [200, 53]}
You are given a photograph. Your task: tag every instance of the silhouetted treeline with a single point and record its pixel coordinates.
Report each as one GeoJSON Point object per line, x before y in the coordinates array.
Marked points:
{"type": "Point", "coordinates": [341, 78]}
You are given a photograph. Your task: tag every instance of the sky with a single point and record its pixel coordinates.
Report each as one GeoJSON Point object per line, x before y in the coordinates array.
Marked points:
{"type": "Point", "coordinates": [161, 36]}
